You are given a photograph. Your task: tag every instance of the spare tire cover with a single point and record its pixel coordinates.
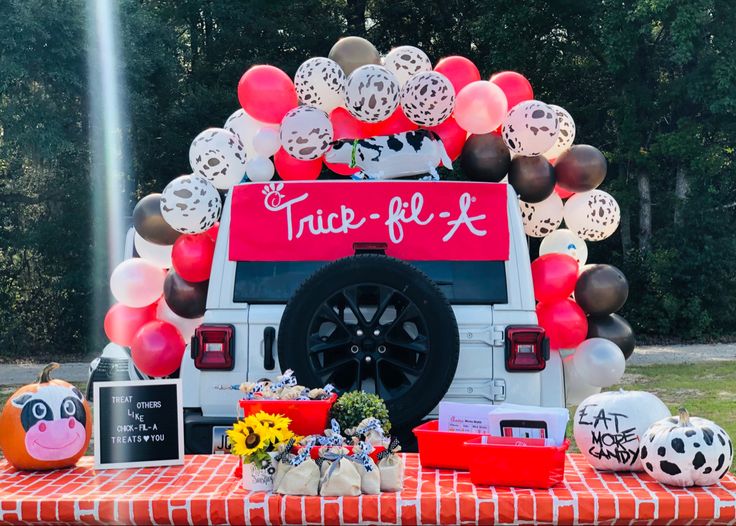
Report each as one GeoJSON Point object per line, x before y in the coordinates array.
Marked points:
{"type": "Point", "coordinates": [373, 323]}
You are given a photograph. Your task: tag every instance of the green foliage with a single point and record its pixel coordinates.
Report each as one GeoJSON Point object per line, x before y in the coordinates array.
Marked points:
{"type": "Point", "coordinates": [652, 83]}
{"type": "Point", "coordinates": [351, 408]}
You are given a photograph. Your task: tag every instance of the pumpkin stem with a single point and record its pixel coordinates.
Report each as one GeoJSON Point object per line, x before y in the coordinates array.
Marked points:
{"type": "Point", "coordinates": [45, 376]}
{"type": "Point", "coordinates": [684, 417]}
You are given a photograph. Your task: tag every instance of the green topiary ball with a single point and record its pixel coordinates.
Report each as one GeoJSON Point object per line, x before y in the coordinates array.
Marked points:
{"type": "Point", "coordinates": [351, 408]}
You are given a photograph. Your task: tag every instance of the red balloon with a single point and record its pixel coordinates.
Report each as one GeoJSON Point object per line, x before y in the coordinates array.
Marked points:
{"type": "Point", "coordinates": [564, 322]}
{"type": "Point", "coordinates": [291, 169]}
{"type": "Point", "coordinates": [515, 85]}
{"type": "Point", "coordinates": [266, 93]}
{"type": "Point", "coordinates": [345, 126]}
{"type": "Point", "coordinates": [213, 231]}
{"type": "Point", "coordinates": [459, 70]}
{"type": "Point", "coordinates": [452, 135]}
{"type": "Point", "coordinates": [192, 255]}
{"type": "Point", "coordinates": [342, 169]}
{"type": "Point", "coordinates": [564, 194]}
{"type": "Point", "coordinates": [157, 349]}
{"type": "Point", "coordinates": [396, 123]}
{"type": "Point", "coordinates": [554, 277]}
{"type": "Point", "coordinates": [122, 322]}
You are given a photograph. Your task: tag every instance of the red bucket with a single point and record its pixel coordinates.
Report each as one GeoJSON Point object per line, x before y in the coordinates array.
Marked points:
{"type": "Point", "coordinates": [314, 452]}
{"type": "Point", "coordinates": [516, 462]}
{"type": "Point", "coordinates": [442, 449]}
{"type": "Point", "coordinates": [308, 417]}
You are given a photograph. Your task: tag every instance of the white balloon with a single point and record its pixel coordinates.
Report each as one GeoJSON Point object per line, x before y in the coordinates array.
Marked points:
{"type": "Point", "coordinates": [565, 137]}
{"type": "Point", "coordinates": [592, 216]}
{"type": "Point", "coordinates": [372, 93]}
{"type": "Point", "coordinates": [159, 255]}
{"type": "Point", "coordinates": [306, 133]}
{"type": "Point", "coordinates": [600, 362]}
{"type": "Point", "coordinates": [563, 241]}
{"type": "Point", "coordinates": [137, 283]}
{"type": "Point", "coordinates": [259, 169]}
{"type": "Point", "coordinates": [186, 326]}
{"type": "Point", "coordinates": [530, 128]}
{"type": "Point", "coordinates": [246, 127]}
{"type": "Point", "coordinates": [407, 61]}
{"type": "Point", "coordinates": [218, 155]}
{"type": "Point", "coordinates": [320, 83]}
{"type": "Point", "coordinates": [190, 204]}
{"type": "Point", "coordinates": [541, 219]}
{"type": "Point", "coordinates": [576, 388]}
{"type": "Point", "coordinates": [266, 142]}
{"type": "Point", "coordinates": [428, 99]}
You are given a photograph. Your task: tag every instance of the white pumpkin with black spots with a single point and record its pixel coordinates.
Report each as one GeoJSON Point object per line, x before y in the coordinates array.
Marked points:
{"type": "Point", "coordinates": [320, 83]}
{"type": "Point", "coordinates": [541, 219]}
{"type": "Point", "coordinates": [530, 128]}
{"type": "Point", "coordinates": [565, 137]}
{"type": "Point", "coordinates": [407, 61]}
{"type": "Point", "coordinates": [372, 93]}
{"type": "Point", "coordinates": [428, 99]}
{"type": "Point", "coordinates": [686, 451]}
{"type": "Point", "coordinates": [218, 155]}
{"type": "Point", "coordinates": [392, 156]}
{"type": "Point", "coordinates": [592, 216]}
{"type": "Point", "coordinates": [306, 133]}
{"type": "Point", "coordinates": [190, 204]}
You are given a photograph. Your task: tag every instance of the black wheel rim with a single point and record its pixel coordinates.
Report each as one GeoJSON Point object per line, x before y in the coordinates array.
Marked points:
{"type": "Point", "coordinates": [369, 337]}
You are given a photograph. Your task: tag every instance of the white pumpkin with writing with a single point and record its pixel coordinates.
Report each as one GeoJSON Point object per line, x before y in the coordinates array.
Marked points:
{"type": "Point", "coordinates": [608, 427]}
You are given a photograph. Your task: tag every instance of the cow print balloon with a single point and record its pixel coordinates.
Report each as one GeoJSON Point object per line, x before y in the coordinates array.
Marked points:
{"type": "Point", "coordinates": [541, 219]}
{"type": "Point", "coordinates": [592, 216]}
{"type": "Point", "coordinates": [372, 93]}
{"type": "Point", "coordinates": [219, 156]}
{"type": "Point", "coordinates": [565, 137]}
{"type": "Point", "coordinates": [190, 204]}
{"type": "Point", "coordinates": [320, 83]}
{"type": "Point", "coordinates": [428, 99]}
{"type": "Point", "coordinates": [530, 128]}
{"type": "Point", "coordinates": [407, 61]}
{"type": "Point", "coordinates": [306, 133]}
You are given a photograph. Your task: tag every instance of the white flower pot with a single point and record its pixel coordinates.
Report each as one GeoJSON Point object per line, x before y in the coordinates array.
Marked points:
{"type": "Point", "coordinates": [259, 477]}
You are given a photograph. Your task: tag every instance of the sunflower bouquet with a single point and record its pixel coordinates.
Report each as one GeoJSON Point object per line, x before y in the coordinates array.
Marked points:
{"type": "Point", "coordinates": [257, 435]}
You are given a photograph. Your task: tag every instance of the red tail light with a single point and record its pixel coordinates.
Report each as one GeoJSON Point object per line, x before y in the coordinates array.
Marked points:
{"type": "Point", "coordinates": [213, 347]}
{"type": "Point", "coordinates": [527, 348]}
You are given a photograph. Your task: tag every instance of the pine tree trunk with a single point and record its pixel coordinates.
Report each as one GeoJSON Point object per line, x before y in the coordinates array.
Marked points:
{"type": "Point", "coordinates": [625, 226]}
{"type": "Point", "coordinates": [645, 214]}
{"type": "Point", "coordinates": [682, 186]}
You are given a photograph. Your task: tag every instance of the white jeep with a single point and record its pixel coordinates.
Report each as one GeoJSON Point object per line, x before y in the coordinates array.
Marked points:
{"type": "Point", "coordinates": [414, 332]}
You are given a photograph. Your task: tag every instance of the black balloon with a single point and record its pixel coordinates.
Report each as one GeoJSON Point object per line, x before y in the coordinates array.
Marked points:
{"type": "Point", "coordinates": [485, 158]}
{"type": "Point", "coordinates": [533, 178]}
{"type": "Point", "coordinates": [186, 299]}
{"type": "Point", "coordinates": [601, 289]}
{"type": "Point", "coordinates": [613, 327]}
{"type": "Point", "coordinates": [581, 168]}
{"type": "Point", "coordinates": [149, 222]}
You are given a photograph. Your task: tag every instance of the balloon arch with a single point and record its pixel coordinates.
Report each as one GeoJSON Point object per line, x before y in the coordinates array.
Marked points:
{"type": "Point", "coordinates": [497, 129]}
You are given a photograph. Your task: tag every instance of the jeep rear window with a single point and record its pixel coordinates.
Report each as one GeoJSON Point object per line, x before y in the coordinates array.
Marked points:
{"type": "Point", "coordinates": [463, 282]}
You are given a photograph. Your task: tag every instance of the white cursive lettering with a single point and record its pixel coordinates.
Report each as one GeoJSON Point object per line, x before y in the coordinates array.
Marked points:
{"type": "Point", "coordinates": [464, 219]}
{"type": "Point", "coordinates": [397, 209]}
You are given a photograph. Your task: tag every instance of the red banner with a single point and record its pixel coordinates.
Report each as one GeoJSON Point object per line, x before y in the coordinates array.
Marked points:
{"type": "Point", "coordinates": [323, 220]}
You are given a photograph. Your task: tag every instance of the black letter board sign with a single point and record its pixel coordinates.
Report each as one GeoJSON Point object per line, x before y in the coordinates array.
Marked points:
{"type": "Point", "coordinates": [138, 424]}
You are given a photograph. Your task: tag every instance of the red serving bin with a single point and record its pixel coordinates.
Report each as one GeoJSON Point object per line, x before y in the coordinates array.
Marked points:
{"type": "Point", "coordinates": [517, 462]}
{"type": "Point", "coordinates": [442, 449]}
{"type": "Point", "coordinates": [308, 417]}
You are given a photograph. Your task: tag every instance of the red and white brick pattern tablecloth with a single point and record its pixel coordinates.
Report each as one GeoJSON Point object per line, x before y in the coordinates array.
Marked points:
{"type": "Point", "coordinates": [204, 491]}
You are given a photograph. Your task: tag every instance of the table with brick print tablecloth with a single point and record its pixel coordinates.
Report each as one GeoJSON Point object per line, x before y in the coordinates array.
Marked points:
{"type": "Point", "coordinates": [205, 491]}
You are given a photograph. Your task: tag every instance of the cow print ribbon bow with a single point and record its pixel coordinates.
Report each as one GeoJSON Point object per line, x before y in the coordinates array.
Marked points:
{"type": "Point", "coordinates": [393, 448]}
{"type": "Point", "coordinates": [361, 452]}
{"type": "Point", "coordinates": [304, 453]}
{"type": "Point", "coordinates": [335, 438]}
{"type": "Point", "coordinates": [283, 455]}
{"type": "Point", "coordinates": [286, 380]}
{"type": "Point", "coordinates": [373, 424]}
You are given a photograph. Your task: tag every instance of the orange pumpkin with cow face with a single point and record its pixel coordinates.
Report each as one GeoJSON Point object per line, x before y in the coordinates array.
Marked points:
{"type": "Point", "coordinates": [45, 425]}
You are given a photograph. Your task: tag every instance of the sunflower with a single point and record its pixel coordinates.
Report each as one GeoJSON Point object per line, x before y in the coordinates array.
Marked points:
{"type": "Point", "coordinates": [278, 422]}
{"type": "Point", "coordinates": [247, 438]}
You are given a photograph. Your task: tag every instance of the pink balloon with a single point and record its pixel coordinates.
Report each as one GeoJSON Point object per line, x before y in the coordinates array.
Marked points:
{"type": "Point", "coordinates": [157, 348]}
{"type": "Point", "coordinates": [266, 93]}
{"type": "Point", "coordinates": [480, 107]}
